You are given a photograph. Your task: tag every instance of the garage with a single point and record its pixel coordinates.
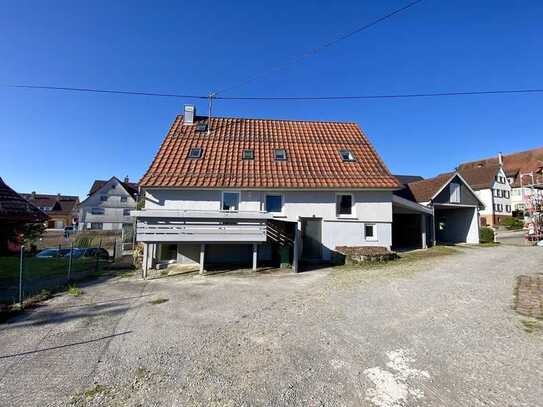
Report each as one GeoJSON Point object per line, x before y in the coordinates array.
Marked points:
{"type": "Point", "coordinates": [456, 225]}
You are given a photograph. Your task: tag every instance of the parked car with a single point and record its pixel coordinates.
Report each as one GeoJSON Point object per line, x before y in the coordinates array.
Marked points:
{"type": "Point", "coordinates": [52, 253]}
{"type": "Point", "coordinates": [96, 251]}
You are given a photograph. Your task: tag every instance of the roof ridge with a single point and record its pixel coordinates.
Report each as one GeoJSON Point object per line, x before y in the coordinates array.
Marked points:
{"type": "Point", "coordinates": [275, 120]}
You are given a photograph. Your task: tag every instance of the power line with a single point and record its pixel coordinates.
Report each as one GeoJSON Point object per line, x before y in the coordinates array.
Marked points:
{"type": "Point", "coordinates": [285, 98]}
{"type": "Point", "coordinates": [318, 49]}
{"type": "Point", "coordinates": [118, 92]}
{"type": "Point", "coordinates": [390, 96]}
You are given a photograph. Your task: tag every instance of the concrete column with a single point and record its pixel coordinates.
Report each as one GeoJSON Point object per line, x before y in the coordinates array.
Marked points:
{"type": "Point", "coordinates": [145, 261]}
{"type": "Point", "coordinates": [255, 255]}
{"type": "Point", "coordinates": [202, 257]}
{"type": "Point", "coordinates": [423, 231]}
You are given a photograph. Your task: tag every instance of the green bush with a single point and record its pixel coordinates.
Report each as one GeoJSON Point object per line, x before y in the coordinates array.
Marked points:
{"type": "Point", "coordinates": [512, 223]}
{"type": "Point", "coordinates": [486, 235]}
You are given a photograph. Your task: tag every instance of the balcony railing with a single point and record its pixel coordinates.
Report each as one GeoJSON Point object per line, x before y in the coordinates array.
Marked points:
{"type": "Point", "coordinates": [164, 225]}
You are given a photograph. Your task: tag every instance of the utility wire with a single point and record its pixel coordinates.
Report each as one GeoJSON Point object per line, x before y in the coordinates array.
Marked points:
{"type": "Point", "coordinates": [286, 98]}
{"type": "Point", "coordinates": [118, 92]}
{"type": "Point", "coordinates": [318, 49]}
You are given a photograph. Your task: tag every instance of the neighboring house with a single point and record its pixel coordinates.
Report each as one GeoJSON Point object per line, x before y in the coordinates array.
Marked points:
{"type": "Point", "coordinates": [108, 205]}
{"type": "Point", "coordinates": [251, 189]}
{"type": "Point", "coordinates": [492, 188]}
{"type": "Point", "coordinates": [15, 213]}
{"type": "Point", "coordinates": [524, 172]}
{"type": "Point", "coordinates": [455, 207]}
{"type": "Point", "coordinates": [61, 210]}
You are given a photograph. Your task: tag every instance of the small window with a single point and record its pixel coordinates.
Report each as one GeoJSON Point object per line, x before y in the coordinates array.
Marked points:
{"type": "Point", "coordinates": [230, 201]}
{"type": "Point", "coordinates": [248, 154]}
{"type": "Point", "coordinates": [126, 212]}
{"type": "Point", "coordinates": [201, 127]}
{"type": "Point", "coordinates": [97, 211]}
{"type": "Point", "coordinates": [346, 155]}
{"type": "Point", "coordinates": [113, 186]}
{"type": "Point", "coordinates": [507, 208]}
{"type": "Point", "coordinates": [103, 198]}
{"type": "Point", "coordinates": [124, 199]}
{"type": "Point", "coordinates": [369, 232]}
{"type": "Point", "coordinates": [96, 226]}
{"type": "Point", "coordinates": [454, 192]}
{"type": "Point", "coordinates": [344, 204]}
{"type": "Point", "coordinates": [195, 153]}
{"type": "Point", "coordinates": [274, 203]}
{"type": "Point", "coordinates": [280, 154]}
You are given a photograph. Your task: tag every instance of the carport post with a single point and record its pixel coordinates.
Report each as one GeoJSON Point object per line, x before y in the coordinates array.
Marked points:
{"type": "Point", "coordinates": [202, 257]}
{"type": "Point", "coordinates": [423, 230]}
{"type": "Point", "coordinates": [295, 250]}
{"type": "Point", "coordinates": [255, 255]}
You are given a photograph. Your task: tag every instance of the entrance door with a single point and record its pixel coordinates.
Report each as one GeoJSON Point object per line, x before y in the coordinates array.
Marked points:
{"type": "Point", "coordinates": [311, 239]}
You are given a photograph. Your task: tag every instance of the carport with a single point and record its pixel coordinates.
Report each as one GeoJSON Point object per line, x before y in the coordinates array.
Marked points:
{"type": "Point", "coordinates": [411, 224]}
{"type": "Point", "coordinates": [454, 210]}
{"type": "Point", "coordinates": [456, 224]}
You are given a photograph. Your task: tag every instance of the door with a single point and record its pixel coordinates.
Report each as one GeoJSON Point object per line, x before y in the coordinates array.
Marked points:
{"type": "Point", "coordinates": [312, 239]}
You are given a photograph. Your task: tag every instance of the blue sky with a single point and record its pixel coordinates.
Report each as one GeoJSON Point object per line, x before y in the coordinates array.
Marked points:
{"type": "Point", "coordinates": [60, 142]}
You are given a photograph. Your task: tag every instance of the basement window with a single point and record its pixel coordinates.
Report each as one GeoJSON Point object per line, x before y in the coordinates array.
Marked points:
{"type": "Point", "coordinates": [346, 155]}
{"type": "Point", "coordinates": [195, 153]}
{"type": "Point", "coordinates": [280, 154]}
{"type": "Point", "coordinates": [248, 154]}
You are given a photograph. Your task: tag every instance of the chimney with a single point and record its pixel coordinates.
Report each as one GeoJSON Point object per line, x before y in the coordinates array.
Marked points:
{"type": "Point", "coordinates": [189, 113]}
{"type": "Point", "coordinates": [500, 158]}
{"type": "Point", "coordinates": [33, 194]}
{"type": "Point", "coordinates": [126, 179]}
{"type": "Point", "coordinates": [58, 196]}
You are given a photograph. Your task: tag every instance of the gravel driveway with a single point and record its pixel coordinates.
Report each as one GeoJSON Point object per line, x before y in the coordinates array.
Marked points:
{"type": "Point", "coordinates": [436, 332]}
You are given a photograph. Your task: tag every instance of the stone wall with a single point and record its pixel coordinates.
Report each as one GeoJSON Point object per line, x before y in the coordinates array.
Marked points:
{"type": "Point", "coordinates": [528, 295]}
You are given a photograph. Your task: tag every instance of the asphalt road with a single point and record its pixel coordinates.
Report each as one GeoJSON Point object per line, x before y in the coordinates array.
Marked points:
{"type": "Point", "coordinates": [437, 332]}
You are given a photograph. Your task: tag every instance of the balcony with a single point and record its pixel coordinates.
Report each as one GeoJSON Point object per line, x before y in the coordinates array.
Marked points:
{"type": "Point", "coordinates": [166, 225]}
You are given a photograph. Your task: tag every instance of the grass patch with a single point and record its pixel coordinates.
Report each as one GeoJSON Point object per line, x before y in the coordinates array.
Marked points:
{"type": "Point", "coordinates": [125, 274]}
{"type": "Point", "coordinates": [158, 301]}
{"type": "Point", "coordinates": [74, 291]}
{"type": "Point", "coordinates": [489, 244]}
{"type": "Point", "coordinates": [531, 325]}
{"type": "Point", "coordinates": [91, 393]}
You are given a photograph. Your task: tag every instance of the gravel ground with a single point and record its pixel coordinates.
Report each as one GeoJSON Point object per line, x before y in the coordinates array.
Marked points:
{"type": "Point", "coordinates": [433, 332]}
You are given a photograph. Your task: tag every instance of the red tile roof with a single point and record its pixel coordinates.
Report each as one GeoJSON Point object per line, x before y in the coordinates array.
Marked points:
{"type": "Point", "coordinates": [424, 191]}
{"type": "Point", "coordinates": [313, 159]}
{"type": "Point", "coordinates": [14, 208]}
{"type": "Point", "coordinates": [513, 164]}
{"type": "Point", "coordinates": [131, 187]}
{"type": "Point", "coordinates": [480, 178]}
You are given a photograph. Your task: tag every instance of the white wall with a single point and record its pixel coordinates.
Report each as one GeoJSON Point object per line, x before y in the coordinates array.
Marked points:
{"type": "Point", "coordinates": [113, 216]}
{"type": "Point", "coordinates": [486, 196]}
{"type": "Point", "coordinates": [369, 207]}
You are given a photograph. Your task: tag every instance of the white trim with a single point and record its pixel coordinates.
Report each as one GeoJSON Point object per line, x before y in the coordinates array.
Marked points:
{"type": "Point", "coordinates": [351, 215]}
{"type": "Point", "coordinates": [222, 200]}
{"type": "Point", "coordinates": [373, 238]}
{"type": "Point", "coordinates": [219, 188]}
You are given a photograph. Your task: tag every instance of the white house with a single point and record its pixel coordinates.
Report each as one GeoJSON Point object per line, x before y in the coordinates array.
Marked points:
{"type": "Point", "coordinates": [108, 205]}
{"type": "Point", "coordinates": [251, 190]}
{"type": "Point", "coordinates": [492, 187]}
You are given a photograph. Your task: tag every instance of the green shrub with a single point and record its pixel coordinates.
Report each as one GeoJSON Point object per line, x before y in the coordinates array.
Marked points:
{"type": "Point", "coordinates": [74, 291]}
{"type": "Point", "coordinates": [512, 223]}
{"type": "Point", "coordinates": [486, 235]}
